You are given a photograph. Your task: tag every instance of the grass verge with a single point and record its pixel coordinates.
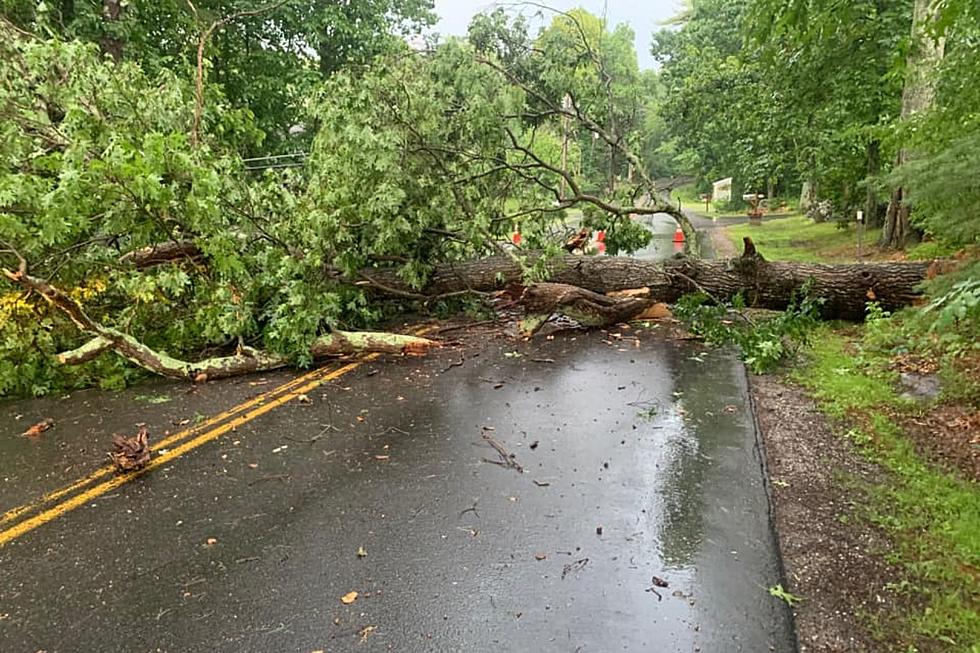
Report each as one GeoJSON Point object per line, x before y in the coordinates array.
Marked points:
{"type": "Point", "coordinates": [927, 502]}
{"type": "Point", "coordinates": [798, 238]}
{"type": "Point", "coordinates": [931, 515]}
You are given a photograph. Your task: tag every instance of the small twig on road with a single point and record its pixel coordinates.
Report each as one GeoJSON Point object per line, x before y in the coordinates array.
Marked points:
{"type": "Point", "coordinates": [578, 565]}
{"type": "Point", "coordinates": [507, 459]}
{"type": "Point", "coordinates": [307, 441]}
{"type": "Point", "coordinates": [459, 363]}
{"type": "Point", "coordinates": [275, 477]}
{"type": "Point", "coordinates": [542, 360]}
{"type": "Point", "coordinates": [389, 430]}
{"type": "Point", "coordinates": [470, 509]}
{"type": "Point", "coordinates": [323, 431]}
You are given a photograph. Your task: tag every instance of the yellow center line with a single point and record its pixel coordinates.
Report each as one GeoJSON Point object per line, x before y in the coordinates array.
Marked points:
{"type": "Point", "coordinates": [81, 499]}
{"type": "Point", "coordinates": [54, 495]}
{"type": "Point", "coordinates": [275, 397]}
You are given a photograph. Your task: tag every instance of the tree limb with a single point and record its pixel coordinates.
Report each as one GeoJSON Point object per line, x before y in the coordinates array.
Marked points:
{"type": "Point", "coordinates": [245, 361]}
{"type": "Point", "coordinates": [202, 41]}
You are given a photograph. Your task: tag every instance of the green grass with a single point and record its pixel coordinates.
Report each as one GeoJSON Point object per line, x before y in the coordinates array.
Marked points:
{"type": "Point", "coordinates": [797, 238]}
{"type": "Point", "coordinates": [929, 250]}
{"type": "Point", "coordinates": [691, 199]}
{"type": "Point", "coordinates": [931, 516]}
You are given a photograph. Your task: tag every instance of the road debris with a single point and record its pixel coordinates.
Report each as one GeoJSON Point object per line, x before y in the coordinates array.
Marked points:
{"type": "Point", "coordinates": [349, 598]}
{"type": "Point", "coordinates": [574, 567]}
{"type": "Point", "coordinates": [39, 428]}
{"type": "Point", "coordinates": [271, 477]}
{"type": "Point", "coordinates": [130, 453]}
{"type": "Point", "coordinates": [459, 363]}
{"type": "Point", "coordinates": [366, 632]}
{"type": "Point", "coordinates": [361, 553]}
{"type": "Point", "coordinates": [507, 459]}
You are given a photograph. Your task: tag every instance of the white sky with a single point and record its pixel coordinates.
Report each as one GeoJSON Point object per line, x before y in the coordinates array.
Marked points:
{"type": "Point", "coordinates": [644, 16]}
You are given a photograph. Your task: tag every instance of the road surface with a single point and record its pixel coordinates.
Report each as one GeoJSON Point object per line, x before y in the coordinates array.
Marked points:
{"type": "Point", "coordinates": [591, 492]}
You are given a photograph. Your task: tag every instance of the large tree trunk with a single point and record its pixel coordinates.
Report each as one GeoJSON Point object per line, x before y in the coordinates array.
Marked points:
{"type": "Point", "coordinates": [917, 96]}
{"type": "Point", "coordinates": [845, 289]}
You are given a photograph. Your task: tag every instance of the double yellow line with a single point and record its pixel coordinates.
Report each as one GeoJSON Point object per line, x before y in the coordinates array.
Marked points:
{"type": "Point", "coordinates": [182, 442]}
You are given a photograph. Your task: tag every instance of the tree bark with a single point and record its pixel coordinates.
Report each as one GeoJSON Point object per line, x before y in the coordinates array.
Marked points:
{"type": "Point", "coordinates": [110, 44]}
{"type": "Point", "coordinates": [845, 288]}
{"type": "Point", "coordinates": [808, 196]}
{"type": "Point", "coordinates": [162, 253]}
{"type": "Point", "coordinates": [871, 193]}
{"type": "Point", "coordinates": [918, 95]}
{"type": "Point", "coordinates": [541, 300]}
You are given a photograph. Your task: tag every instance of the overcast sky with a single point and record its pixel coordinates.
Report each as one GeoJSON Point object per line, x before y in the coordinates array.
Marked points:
{"type": "Point", "coordinates": [643, 15]}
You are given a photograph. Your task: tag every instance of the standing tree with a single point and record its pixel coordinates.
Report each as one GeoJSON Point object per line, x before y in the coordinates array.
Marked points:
{"type": "Point", "coordinates": [925, 54]}
{"type": "Point", "coordinates": [268, 62]}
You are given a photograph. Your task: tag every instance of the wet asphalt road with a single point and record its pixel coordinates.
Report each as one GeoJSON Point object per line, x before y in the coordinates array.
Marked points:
{"type": "Point", "coordinates": [650, 440]}
{"type": "Point", "coordinates": [633, 457]}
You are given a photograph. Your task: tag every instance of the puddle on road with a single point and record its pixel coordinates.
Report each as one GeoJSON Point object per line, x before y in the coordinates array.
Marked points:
{"type": "Point", "coordinates": [660, 454]}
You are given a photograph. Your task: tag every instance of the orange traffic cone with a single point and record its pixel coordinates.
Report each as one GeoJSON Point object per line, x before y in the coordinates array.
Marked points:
{"type": "Point", "coordinates": [679, 235]}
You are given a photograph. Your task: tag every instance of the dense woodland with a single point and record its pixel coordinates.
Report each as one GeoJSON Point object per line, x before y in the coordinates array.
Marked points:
{"type": "Point", "coordinates": [829, 98]}
{"type": "Point", "coordinates": [217, 176]}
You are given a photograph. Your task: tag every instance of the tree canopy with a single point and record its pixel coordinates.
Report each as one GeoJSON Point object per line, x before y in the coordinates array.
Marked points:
{"type": "Point", "coordinates": [777, 93]}
{"type": "Point", "coordinates": [266, 56]}
{"type": "Point", "coordinates": [130, 132]}
{"type": "Point", "coordinates": [417, 158]}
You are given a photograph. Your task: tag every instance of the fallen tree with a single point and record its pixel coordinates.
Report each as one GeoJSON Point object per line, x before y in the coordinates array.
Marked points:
{"type": "Point", "coordinates": [173, 247]}
{"type": "Point", "coordinates": [243, 361]}
{"type": "Point", "coordinates": [844, 288]}
{"type": "Point", "coordinates": [582, 287]}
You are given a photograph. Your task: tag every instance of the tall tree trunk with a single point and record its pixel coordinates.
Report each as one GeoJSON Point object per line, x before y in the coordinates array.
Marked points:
{"type": "Point", "coordinates": [808, 195]}
{"type": "Point", "coordinates": [110, 44]}
{"type": "Point", "coordinates": [871, 217]}
{"type": "Point", "coordinates": [917, 96]}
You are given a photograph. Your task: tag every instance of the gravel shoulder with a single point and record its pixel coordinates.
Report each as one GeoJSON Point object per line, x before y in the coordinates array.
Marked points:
{"type": "Point", "coordinates": [835, 563]}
